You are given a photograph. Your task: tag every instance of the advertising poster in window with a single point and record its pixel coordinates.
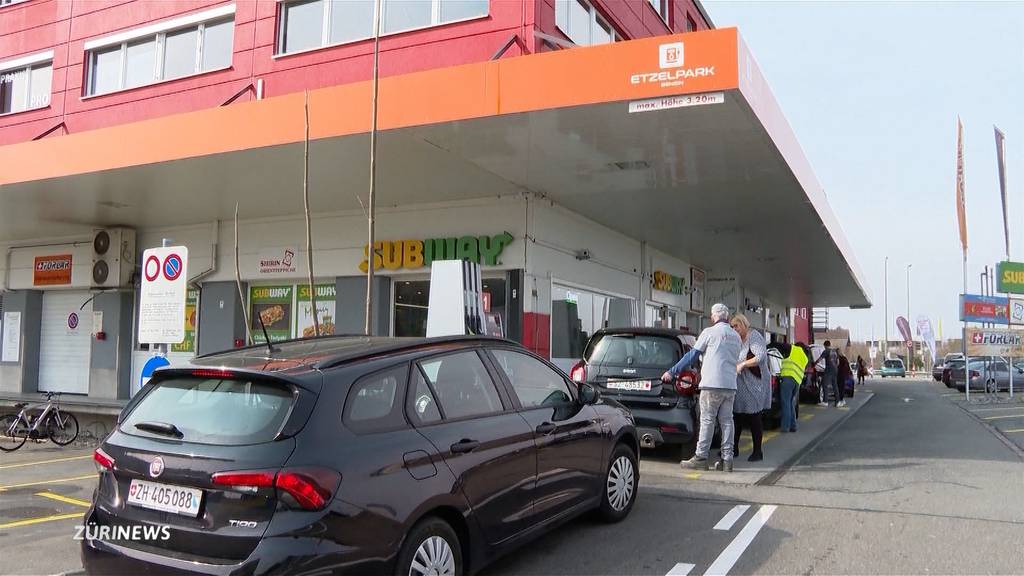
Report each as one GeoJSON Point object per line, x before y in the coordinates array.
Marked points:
{"type": "Point", "coordinates": [697, 286]}
{"type": "Point", "coordinates": [191, 306]}
{"type": "Point", "coordinates": [325, 306]}
{"type": "Point", "coordinates": [272, 304]}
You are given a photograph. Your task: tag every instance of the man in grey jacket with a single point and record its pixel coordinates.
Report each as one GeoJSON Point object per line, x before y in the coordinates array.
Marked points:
{"type": "Point", "coordinates": [720, 346]}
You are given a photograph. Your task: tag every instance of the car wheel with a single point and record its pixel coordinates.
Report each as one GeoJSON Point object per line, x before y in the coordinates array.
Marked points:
{"type": "Point", "coordinates": [621, 482]}
{"type": "Point", "coordinates": [432, 547]}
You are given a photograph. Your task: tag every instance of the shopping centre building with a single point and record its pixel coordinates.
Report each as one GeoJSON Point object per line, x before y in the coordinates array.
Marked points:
{"type": "Point", "coordinates": [607, 163]}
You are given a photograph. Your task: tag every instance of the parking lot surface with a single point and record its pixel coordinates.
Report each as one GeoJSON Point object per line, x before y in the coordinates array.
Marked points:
{"type": "Point", "coordinates": [891, 485]}
{"type": "Point", "coordinates": [1001, 413]}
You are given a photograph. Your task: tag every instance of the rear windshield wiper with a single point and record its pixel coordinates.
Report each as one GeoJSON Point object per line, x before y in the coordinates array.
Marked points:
{"type": "Point", "coordinates": [162, 428]}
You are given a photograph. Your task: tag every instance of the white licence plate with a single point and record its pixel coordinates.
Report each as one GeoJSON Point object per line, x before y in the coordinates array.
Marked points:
{"type": "Point", "coordinates": [635, 385]}
{"type": "Point", "coordinates": [166, 498]}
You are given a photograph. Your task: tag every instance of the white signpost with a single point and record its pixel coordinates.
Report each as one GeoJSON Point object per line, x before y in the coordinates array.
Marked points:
{"type": "Point", "coordinates": [162, 299]}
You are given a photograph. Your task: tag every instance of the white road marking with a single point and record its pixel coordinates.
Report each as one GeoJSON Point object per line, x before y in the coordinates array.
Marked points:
{"type": "Point", "coordinates": [731, 517]}
{"type": "Point", "coordinates": [680, 570]}
{"type": "Point", "coordinates": [727, 559]}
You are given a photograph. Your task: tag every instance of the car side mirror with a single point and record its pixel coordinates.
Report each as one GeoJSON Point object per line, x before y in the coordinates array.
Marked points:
{"type": "Point", "coordinates": [588, 394]}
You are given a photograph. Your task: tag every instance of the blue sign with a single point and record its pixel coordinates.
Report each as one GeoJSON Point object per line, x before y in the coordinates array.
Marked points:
{"type": "Point", "coordinates": [172, 267]}
{"type": "Point", "coordinates": [150, 367]}
{"type": "Point", "coordinates": [990, 309]}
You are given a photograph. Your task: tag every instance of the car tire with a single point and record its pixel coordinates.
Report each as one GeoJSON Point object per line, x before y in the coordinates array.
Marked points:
{"type": "Point", "coordinates": [621, 482]}
{"type": "Point", "coordinates": [431, 543]}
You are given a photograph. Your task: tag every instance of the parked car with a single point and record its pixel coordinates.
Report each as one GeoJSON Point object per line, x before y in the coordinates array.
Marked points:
{"type": "Point", "coordinates": [355, 454]}
{"type": "Point", "coordinates": [810, 388]}
{"type": "Point", "coordinates": [892, 368]}
{"type": "Point", "coordinates": [940, 367]}
{"type": "Point", "coordinates": [986, 374]}
{"type": "Point", "coordinates": [626, 364]}
{"type": "Point", "coordinates": [947, 369]}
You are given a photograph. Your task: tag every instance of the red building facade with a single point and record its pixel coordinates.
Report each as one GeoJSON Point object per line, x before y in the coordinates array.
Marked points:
{"type": "Point", "coordinates": [97, 55]}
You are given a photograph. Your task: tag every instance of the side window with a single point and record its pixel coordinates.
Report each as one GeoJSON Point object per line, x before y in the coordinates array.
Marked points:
{"type": "Point", "coordinates": [375, 401]}
{"type": "Point", "coordinates": [463, 386]}
{"type": "Point", "coordinates": [422, 404]}
{"type": "Point", "coordinates": [534, 382]}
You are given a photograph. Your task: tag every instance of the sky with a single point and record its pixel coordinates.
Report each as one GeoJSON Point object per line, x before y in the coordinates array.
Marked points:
{"type": "Point", "coordinates": [872, 91]}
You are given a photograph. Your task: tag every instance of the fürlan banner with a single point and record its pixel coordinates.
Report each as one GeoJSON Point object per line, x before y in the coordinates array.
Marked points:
{"type": "Point", "coordinates": [1001, 164]}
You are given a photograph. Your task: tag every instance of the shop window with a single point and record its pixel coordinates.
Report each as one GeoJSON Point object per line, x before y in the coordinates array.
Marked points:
{"type": "Point", "coordinates": [582, 24]}
{"type": "Point", "coordinates": [25, 86]}
{"type": "Point", "coordinates": [309, 24]}
{"type": "Point", "coordinates": [129, 62]}
{"type": "Point", "coordinates": [575, 315]}
{"type": "Point", "coordinates": [286, 311]}
{"type": "Point", "coordinates": [412, 299]}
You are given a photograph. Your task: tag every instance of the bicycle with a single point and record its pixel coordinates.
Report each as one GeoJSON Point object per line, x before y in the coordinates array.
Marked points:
{"type": "Point", "coordinates": [60, 427]}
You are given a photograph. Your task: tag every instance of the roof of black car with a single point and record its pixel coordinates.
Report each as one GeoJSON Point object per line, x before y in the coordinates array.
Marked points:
{"type": "Point", "coordinates": [645, 330]}
{"type": "Point", "coordinates": [315, 353]}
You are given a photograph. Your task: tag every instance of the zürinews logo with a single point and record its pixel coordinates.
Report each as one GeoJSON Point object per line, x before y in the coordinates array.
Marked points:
{"type": "Point", "coordinates": [671, 60]}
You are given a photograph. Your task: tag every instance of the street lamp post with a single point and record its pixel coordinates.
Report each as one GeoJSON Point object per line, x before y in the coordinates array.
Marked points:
{"type": "Point", "coordinates": [885, 321]}
{"type": "Point", "coordinates": [910, 345]}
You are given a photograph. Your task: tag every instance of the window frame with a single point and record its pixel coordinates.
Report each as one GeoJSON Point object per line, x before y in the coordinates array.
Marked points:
{"type": "Point", "coordinates": [663, 10]}
{"type": "Point", "coordinates": [325, 32]}
{"type": "Point", "coordinates": [510, 389]}
{"type": "Point", "coordinates": [401, 394]}
{"type": "Point", "coordinates": [595, 19]}
{"type": "Point", "coordinates": [25, 65]}
{"type": "Point", "coordinates": [157, 33]}
{"type": "Point", "coordinates": [508, 404]}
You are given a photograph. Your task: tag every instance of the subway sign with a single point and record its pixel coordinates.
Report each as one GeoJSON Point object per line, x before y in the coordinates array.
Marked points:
{"type": "Point", "coordinates": [413, 254]}
{"type": "Point", "coordinates": [668, 283]}
{"type": "Point", "coordinates": [1010, 277]}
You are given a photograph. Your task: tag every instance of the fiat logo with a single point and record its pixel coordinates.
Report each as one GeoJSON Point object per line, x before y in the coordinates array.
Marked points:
{"type": "Point", "coordinates": [156, 467]}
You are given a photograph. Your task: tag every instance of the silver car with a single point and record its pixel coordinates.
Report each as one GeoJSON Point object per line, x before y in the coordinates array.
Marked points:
{"type": "Point", "coordinates": [989, 374]}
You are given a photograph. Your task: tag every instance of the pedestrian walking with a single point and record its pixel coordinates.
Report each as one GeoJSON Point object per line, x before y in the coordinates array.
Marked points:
{"type": "Point", "coordinates": [862, 371]}
{"type": "Point", "coordinates": [845, 380]}
{"type": "Point", "coordinates": [753, 386]}
{"type": "Point", "coordinates": [830, 376]}
{"type": "Point", "coordinates": [794, 361]}
{"type": "Point", "coordinates": [720, 346]}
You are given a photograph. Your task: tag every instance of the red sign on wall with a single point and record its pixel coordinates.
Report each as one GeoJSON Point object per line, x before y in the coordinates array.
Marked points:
{"type": "Point", "coordinates": [52, 270]}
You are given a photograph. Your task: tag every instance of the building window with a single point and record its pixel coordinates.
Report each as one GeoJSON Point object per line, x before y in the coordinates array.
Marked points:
{"type": "Point", "coordinates": [156, 55]}
{"type": "Point", "coordinates": [25, 83]}
{"type": "Point", "coordinates": [581, 23]}
{"type": "Point", "coordinates": [691, 26]}
{"type": "Point", "coordinates": [412, 300]}
{"type": "Point", "coordinates": [310, 24]}
{"type": "Point", "coordinates": [661, 7]}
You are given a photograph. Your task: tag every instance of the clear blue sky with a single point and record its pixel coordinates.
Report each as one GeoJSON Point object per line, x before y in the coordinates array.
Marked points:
{"type": "Point", "coordinates": [872, 90]}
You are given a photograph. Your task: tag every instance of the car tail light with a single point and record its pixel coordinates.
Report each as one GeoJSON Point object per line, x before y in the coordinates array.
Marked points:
{"type": "Point", "coordinates": [579, 372]}
{"type": "Point", "coordinates": [103, 460]}
{"type": "Point", "coordinates": [686, 383]}
{"type": "Point", "coordinates": [309, 488]}
{"type": "Point", "coordinates": [775, 382]}
{"type": "Point", "coordinates": [213, 373]}
{"type": "Point", "coordinates": [975, 374]}
{"type": "Point", "coordinates": [669, 429]}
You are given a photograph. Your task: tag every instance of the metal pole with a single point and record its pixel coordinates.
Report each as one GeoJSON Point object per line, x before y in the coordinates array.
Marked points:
{"type": "Point", "coordinates": [910, 346]}
{"type": "Point", "coordinates": [963, 339]}
{"type": "Point", "coordinates": [373, 172]}
{"type": "Point", "coordinates": [885, 322]}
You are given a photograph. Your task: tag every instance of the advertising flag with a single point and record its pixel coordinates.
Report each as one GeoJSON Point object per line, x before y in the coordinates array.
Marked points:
{"type": "Point", "coordinates": [961, 206]}
{"type": "Point", "coordinates": [1001, 165]}
{"type": "Point", "coordinates": [904, 327]}
{"type": "Point", "coordinates": [924, 329]}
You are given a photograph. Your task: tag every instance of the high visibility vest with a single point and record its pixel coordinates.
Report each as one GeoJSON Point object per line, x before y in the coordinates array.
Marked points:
{"type": "Point", "coordinates": [793, 365]}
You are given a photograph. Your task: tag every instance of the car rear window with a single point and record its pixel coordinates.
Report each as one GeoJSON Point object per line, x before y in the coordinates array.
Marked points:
{"type": "Point", "coordinates": [644, 351]}
{"type": "Point", "coordinates": [213, 410]}
{"type": "Point", "coordinates": [893, 364]}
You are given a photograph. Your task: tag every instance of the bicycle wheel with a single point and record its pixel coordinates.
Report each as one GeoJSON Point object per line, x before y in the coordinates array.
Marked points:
{"type": "Point", "coordinates": [12, 433]}
{"type": "Point", "coordinates": [66, 434]}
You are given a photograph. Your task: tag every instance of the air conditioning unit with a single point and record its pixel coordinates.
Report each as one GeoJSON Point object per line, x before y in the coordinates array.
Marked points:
{"type": "Point", "coordinates": [113, 257]}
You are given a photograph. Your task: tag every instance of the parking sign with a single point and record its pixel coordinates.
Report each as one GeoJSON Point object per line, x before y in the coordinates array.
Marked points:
{"type": "Point", "coordinates": [162, 299]}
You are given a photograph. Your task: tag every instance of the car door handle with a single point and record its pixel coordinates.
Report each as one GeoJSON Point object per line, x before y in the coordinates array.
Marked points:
{"type": "Point", "coordinates": [465, 445]}
{"type": "Point", "coordinates": [546, 428]}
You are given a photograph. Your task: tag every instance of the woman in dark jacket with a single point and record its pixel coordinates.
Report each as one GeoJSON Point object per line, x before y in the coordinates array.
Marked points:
{"type": "Point", "coordinates": [862, 371]}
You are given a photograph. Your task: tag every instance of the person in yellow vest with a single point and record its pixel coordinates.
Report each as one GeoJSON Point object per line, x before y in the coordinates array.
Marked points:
{"type": "Point", "coordinates": [792, 373]}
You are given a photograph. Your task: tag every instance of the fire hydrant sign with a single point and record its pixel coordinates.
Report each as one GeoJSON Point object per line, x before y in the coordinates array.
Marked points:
{"type": "Point", "coordinates": [163, 296]}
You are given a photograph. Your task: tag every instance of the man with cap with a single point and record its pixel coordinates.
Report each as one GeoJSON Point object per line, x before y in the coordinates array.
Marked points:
{"type": "Point", "coordinates": [720, 346]}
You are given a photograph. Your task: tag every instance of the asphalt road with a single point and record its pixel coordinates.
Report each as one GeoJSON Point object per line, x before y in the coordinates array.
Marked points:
{"type": "Point", "coordinates": [906, 482]}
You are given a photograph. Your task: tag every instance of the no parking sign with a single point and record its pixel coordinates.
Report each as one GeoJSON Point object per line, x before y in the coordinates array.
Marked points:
{"type": "Point", "coordinates": [162, 299]}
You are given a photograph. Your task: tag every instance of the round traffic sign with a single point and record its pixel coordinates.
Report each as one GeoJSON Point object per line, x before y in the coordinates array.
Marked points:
{"type": "Point", "coordinates": [73, 320]}
{"type": "Point", "coordinates": [152, 268]}
{"type": "Point", "coordinates": [172, 267]}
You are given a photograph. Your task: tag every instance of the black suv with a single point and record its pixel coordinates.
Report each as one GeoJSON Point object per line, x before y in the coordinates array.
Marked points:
{"type": "Point", "coordinates": [354, 454]}
{"type": "Point", "coordinates": [626, 364]}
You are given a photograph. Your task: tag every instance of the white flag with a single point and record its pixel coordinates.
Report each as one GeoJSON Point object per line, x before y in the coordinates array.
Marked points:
{"type": "Point", "coordinates": [924, 330]}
